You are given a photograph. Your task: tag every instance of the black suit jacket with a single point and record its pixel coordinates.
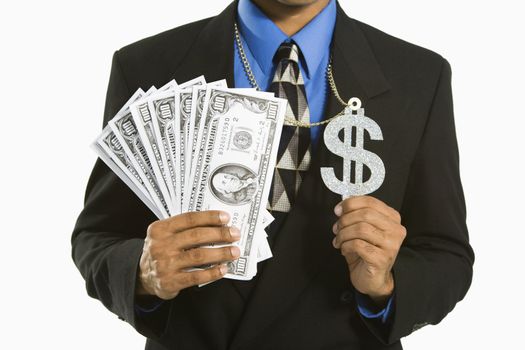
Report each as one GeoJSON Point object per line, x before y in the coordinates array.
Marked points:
{"type": "Point", "coordinates": [302, 298]}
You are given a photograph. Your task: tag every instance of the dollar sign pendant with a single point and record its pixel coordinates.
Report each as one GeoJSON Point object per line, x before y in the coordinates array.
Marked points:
{"type": "Point", "coordinates": [353, 117]}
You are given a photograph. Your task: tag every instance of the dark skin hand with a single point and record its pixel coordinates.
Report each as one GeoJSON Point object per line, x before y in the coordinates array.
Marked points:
{"type": "Point", "coordinates": [369, 234]}
{"type": "Point", "coordinates": [172, 246]}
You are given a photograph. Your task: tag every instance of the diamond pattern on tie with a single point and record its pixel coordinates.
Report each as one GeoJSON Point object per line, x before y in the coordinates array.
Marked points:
{"type": "Point", "coordinates": [293, 157]}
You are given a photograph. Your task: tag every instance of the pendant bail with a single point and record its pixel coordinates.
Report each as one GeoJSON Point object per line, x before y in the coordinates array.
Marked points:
{"type": "Point", "coordinates": [354, 103]}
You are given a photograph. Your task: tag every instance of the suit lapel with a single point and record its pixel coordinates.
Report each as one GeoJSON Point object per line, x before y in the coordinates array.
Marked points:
{"type": "Point", "coordinates": [212, 53]}
{"type": "Point", "coordinates": [303, 246]}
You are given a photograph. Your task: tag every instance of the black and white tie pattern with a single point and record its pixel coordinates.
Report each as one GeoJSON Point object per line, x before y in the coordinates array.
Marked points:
{"type": "Point", "coordinates": [293, 157]}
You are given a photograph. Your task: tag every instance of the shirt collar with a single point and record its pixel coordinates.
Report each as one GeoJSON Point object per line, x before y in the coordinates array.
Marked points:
{"type": "Point", "coordinates": [263, 37]}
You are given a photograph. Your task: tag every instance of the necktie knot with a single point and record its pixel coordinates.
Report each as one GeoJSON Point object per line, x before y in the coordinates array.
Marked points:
{"type": "Point", "coordinates": [287, 51]}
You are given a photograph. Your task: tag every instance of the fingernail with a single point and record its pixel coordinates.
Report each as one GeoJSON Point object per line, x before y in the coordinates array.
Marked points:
{"type": "Point", "coordinates": [223, 269]}
{"type": "Point", "coordinates": [338, 210]}
{"type": "Point", "coordinates": [235, 251]}
{"type": "Point", "coordinates": [334, 243]}
{"type": "Point", "coordinates": [235, 233]}
{"type": "Point", "coordinates": [224, 217]}
{"type": "Point", "coordinates": [334, 228]}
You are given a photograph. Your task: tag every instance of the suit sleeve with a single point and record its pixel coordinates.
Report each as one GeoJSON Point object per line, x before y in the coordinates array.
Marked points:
{"type": "Point", "coordinates": [433, 269]}
{"type": "Point", "coordinates": [109, 233]}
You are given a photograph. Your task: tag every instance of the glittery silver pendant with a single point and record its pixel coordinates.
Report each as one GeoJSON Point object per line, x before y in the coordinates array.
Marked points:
{"type": "Point", "coordinates": [353, 117]}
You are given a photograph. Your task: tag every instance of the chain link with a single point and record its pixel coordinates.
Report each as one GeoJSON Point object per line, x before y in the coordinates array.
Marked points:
{"type": "Point", "coordinates": [253, 83]}
{"type": "Point", "coordinates": [331, 82]}
{"type": "Point", "coordinates": [244, 59]}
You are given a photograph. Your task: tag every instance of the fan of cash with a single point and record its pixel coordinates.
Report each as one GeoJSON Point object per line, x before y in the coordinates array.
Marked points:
{"type": "Point", "coordinates": [200, 146]}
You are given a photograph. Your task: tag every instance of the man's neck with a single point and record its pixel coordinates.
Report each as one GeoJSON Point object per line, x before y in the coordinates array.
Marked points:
{"type": "Point", "coordinates": [290, 18]}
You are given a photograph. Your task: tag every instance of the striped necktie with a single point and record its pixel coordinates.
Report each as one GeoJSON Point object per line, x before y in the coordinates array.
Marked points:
{"type": "Point", "coordinates": [294, 154]}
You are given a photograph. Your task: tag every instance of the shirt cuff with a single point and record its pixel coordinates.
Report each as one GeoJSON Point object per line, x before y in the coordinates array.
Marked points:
{"type": "Point", "coordinates": [367, 309]}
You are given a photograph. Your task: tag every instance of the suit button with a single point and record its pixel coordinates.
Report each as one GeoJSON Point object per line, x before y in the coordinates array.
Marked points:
{"type": "Point", "coordinates": [347, 296]}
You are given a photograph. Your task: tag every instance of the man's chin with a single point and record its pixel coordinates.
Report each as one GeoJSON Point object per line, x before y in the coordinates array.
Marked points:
{"type": "Point", "coordinates": [297, 2]}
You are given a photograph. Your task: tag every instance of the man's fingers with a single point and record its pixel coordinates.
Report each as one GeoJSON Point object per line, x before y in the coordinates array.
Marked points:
{"type": "Point", "coordinates": [206, 235]}
{"type": "Point", "coordinates": [368, 215]}
{"type": "Point", "coordinates": [194, 278]}
{"type": "Point", "coordinates": [205, 256]}
{"type": "Point", "coordinates": [357, 247]}
{"type": "Point", "coordinates": [363, 231]}
{"type": "Point", "coordinates": [351, 257]}
{"type": "Point", "coordinates": [190, 220]}
{"type": "Point", "coordinates": [359, 202]}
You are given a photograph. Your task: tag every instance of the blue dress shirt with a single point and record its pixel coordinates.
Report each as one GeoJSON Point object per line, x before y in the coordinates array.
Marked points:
{"type": "Point", "coordinates": [261, 38]}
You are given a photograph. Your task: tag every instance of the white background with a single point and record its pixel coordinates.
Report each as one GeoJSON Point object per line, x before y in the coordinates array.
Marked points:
{"type": "Point", "coordinates": [54, 68]}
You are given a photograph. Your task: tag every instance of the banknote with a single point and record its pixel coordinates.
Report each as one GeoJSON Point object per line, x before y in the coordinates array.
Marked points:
{"type": "Point", "coordinates": [111, 152]}
{"type": "Point", "coordinates": [169, 86]}
{"type": "Point", "coordinates": [264, 251]}
{"type": "Point", "coordinates": [235, 170]}
{"type": "Point", "coordinates": [167, 134]}
{"type": "Point", "coordinates": [127, 134]}
{"type": "Point", "coordinates": [201, 131]}
{"type": "Point", "coordinates": [267, 218]}
{"type": "Point", "coordinates": [198, 146]}
{"type": "Point", "coordinates": [198, 99]}
{"type": "Point", "coordinates": [198, 94]}
{"type": "Point", "coordinates": [263, 247]}
{"type": "Point", "coordinates": [183, 101]}
{"type": "Point", "coordinates": [143, 118]}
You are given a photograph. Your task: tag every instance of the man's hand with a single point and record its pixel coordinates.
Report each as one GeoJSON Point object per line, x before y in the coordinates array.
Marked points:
{"type": "Point", "coordinates": [173, 245]}
{"type": "Point", "coordinates": [369, 234]}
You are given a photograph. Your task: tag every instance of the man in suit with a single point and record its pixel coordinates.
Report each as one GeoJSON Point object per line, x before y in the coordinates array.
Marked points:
{"type": "Point", "coordinates": [356, 274]}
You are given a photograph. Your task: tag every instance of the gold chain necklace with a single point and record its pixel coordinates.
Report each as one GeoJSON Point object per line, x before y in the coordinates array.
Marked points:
{"type": "Point", "coordinates": [290, 121]}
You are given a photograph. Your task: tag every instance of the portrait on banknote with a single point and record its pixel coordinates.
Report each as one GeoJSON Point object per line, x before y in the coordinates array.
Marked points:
{"type": "Point", "coordinates": [233, 184]}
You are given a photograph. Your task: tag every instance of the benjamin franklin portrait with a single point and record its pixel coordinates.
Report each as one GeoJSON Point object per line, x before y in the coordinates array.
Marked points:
{"type": "Point", "coordinates": [233, 184]}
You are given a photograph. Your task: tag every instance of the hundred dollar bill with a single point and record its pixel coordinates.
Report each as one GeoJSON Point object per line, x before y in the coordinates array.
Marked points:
{"type": "Point", "coordinates": [110, 151]}
{"type": "Point", "coordinates": [236, 168]}
{"type": "Point", "coordinates": [143, 117]}
{"type": "Point", "coordinates": [167, 133]}
{"type": "Point", "coordinates": [183, 100]}
{"type": "Point", "coordinates": [200, 80]}
{"type": "Point", "coordinates": [126, 132]}
{"type": "Point", "coordinates": [264, 251]}
{"type": "Point", "coordinates": [198, 95]}
{"type": "Point", "coordinates": [170, 86]}
{"type": "Point", "coordinates": [202, 130]}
